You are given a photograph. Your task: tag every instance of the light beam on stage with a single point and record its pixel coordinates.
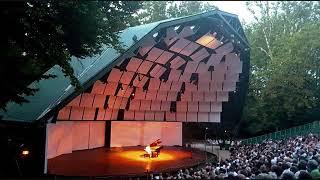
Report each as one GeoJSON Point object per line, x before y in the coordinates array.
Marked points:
{"type": "Point", "coordinates": [137, 155]}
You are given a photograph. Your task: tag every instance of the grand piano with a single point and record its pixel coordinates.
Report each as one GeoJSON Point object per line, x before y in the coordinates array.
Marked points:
{"type": "Point", "coordinates": [153, 150]}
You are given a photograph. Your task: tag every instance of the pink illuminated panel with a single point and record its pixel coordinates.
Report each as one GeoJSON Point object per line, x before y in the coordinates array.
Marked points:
{"type": "Point", "coordinates": [222, 96]}
{"type": "Point", "coordinates": [154, 84]}
{"type": "Point", "coordinates": [165, 86]}
{"type": "Point", "coordinates": [128, 115]}
{"type": "Point", "coordinates": [204, 86]}
{"type": "Point", "coordinates": [149, 116]}
{"type": "Point", "coordinates": [151, 95]}
{"type": "Point", "coordinates": [170, 116]}
{"type": "Point", "coordinates": [145, 105]}
{"type": "Point", "coordinates": [139, 115]}
{"type": "Point", "coordinates": [202, 68]}
{"type": "Point", "coordinates": [172, 96]}
{"type": "Point", "coordinates": [87, 100]}
{"type": "Point", "coordinates": [185, 77]}
{"type": "Point", "coordinates": [204, 106]}
{"type": "Point", "coordinates": [98, 87]}
{"type": "Point", "coordinates": [157, 71]}
{"type": "Point", "coordinates": [190, 87]}
{"type": "Point", "coordinates": [154, 54]}
{"type": "Point", "coordinates": [191, 67]}
{"type": "Point", "coordinates": [101, 113]}
{"type": "Point", "coordinates": [214, 117]}
{"type": "Point", "coordinates": [162, 95]}
{"type": "Point", "coordinates": [143, 133]}
{"type": "Point", "coordinates": [97, 134]}
{"type": "Point", "coordinates": [186, 96]}
{"type": "Point", "coordinates": [76, 113]}
{"type": "Point", "coordinates": [188, 50]}
{"type": "Point", "coordinates": [164, 57]}
{"type": "Point", "coordinates": [182, 116]}
{"type": "Point", "coordinates": [174, 75]}
{"type": "Point", "coordinates": [108, 114]}
{"type": "Point", "coordinates": [210, 96]}
{"type": "Point", "coordinates": [214, 59]}
{"type": "Point", "coordinates": [200, 55]}
{"type": "Point", "coordinates": [135, 104]}
{"type": "Point", "coordinates": [111, 88]}
{"type": "Point", "coordinates": [140, 80]}
{"type": "Point", "coordinates": [114, 115]}
{"type": "Point", "coordinates": [134, 64]}
{"type": "Point", "coordinates": [59, 140]}
{"type": "Point", "coordinates": [205, 77]}
{"type": "Point", "coordinates": [65, 137]}
{"type": "Point", "coordinates": [126, 77]}
{"type": "Point", "coordinates": [176, 86]}
{"type": "Point", "coordinates": [155, 105]}
{"type": "Point", "coordinates": [159, 116]}
{"type": "Point", "coordinates": [145, 67]}
{"type": "Point", "coordinates": [88, 113]}
{"type": "Point", "coordinates": [64, 113]}
{"type": "Point", "coordinates": [165, 106]}
{"type": "Point", "coordinates": [197, 96]}
{"type": "Point", "coordinates": [177, 62]}
{"type": "Point", "coordinates": [216, 107]}
{"type": "Point", "coordinates": [115, 75]}
{"type": "Point", "coordinates": [203, 117]}
{"type": "Point", "coordinates": [192, 117]}
{"type": "Point", "coordinates": [193, 107]}
{"type": "Point", "coordinates": [80, 135]}
{"type": "Point", "coordinates": [182, 106]}
{"type": "Point", "coordinates": [99, 100]}
{"type": "Point", "coordinates": [179, 45]}
{"type": "Point", "coordinates": [140, 94]}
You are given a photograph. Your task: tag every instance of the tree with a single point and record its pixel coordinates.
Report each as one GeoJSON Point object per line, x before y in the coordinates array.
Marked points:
{"type": "Point", "coordinates": [41, 34]}
{"type": "Point", "coordinates": [159, 10]}
{"type": "Point", "coordinates": [285, 73]}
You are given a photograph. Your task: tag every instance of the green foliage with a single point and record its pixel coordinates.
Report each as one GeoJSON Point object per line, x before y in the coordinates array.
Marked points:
{"type": "Point", "coordinates": [285, 66]}
{"type": "Point", "coordinates": [159, 10]}
{"type": "Point", "coordinates": [41, 34]}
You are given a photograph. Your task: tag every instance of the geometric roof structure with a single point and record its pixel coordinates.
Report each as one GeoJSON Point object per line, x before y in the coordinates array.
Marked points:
{"type": "Point", "coordinates": [181, 69]}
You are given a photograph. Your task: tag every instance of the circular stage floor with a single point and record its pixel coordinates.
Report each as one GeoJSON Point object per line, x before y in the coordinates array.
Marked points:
{"type": "Point", "coordinates": [122, 161]}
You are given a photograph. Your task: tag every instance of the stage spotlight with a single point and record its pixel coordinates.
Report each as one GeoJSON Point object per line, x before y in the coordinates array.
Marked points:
{"type": "Point", "coordinates": [25, 153]}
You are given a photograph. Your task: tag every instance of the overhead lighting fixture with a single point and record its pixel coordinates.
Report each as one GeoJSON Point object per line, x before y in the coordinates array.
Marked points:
{"type": "Point", "coordinates": [176, 28]}
{"type": "Point", "coordinates": [25, 153]}
{"type": "Point", "coordinates": [155, 35]}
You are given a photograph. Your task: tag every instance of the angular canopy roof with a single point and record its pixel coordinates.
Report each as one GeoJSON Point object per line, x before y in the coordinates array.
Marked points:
{"type": "Point", "coordinates": [55, 93]}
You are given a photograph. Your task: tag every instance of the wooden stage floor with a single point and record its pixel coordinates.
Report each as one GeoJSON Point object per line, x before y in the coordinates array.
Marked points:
{"type": "Point", "coordinates": [122, 161]}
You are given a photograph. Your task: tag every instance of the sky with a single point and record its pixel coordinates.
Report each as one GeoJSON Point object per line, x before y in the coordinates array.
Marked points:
{"type": "Point", "coordinates": [235, 7]}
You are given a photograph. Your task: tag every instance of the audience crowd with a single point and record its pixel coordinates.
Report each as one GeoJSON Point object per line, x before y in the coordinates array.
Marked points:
{"type": "Point", "coordinates": [293, 158]}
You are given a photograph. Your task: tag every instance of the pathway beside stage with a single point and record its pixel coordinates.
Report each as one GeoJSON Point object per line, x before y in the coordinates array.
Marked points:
{"type": "Point", "coordinates": [214, 149]}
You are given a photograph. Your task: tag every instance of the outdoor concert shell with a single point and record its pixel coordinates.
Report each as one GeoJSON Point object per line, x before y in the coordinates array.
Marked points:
{"type": "Point", "coordinates": [184, 40]}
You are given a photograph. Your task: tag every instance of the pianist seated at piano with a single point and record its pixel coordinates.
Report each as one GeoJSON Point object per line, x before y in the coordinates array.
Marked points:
{"type": "Point", "coordinates": [153, 150]}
